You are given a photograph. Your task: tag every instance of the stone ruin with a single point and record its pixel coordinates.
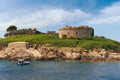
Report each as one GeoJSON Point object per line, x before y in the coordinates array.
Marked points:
{"type": "Point", "coordinates": [76, 32]}
{"type": "Point", "coordinates": [20, 45]}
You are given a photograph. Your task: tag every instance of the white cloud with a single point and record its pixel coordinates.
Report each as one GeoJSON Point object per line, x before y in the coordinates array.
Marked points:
{"type": "Point", "coordinates": [106, 20]}
{"type": "Point", "coordinates": [4, 17]}
{"type": "Point", "coordinates": [111, 10]}
{"type": "Point", "coordinates": [43, 17]}
{"type": "Point", "coordinates": [57, 16]}
{"type": "Point", "coordinates": [108, 15]}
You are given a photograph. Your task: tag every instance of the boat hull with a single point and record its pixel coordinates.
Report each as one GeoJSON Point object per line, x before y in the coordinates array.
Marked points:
{"type": "Point", "coordinates": [23, 63]}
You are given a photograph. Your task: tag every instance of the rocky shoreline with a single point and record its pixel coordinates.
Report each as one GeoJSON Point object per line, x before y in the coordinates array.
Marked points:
{"type": "Point", "coordinates": [44, 53]}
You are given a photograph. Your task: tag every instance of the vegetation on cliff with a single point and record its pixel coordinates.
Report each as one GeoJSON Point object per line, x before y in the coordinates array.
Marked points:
{"type": "Point", "coordinates": [55, 41]}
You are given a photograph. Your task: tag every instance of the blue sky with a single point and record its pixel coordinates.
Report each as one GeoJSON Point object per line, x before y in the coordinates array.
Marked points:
{"type": "Point", "coordinates": [102, 15]}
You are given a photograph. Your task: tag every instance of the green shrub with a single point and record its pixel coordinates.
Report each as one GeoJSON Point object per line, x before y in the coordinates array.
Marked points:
{"type": "Point", "coordinates": [54, 40]}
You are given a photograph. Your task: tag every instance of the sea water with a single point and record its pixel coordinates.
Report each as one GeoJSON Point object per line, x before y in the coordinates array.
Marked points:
{"type": "Point", "coordinates": [60, 70]}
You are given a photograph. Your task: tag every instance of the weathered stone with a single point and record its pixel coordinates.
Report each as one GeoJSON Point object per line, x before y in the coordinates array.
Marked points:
{"type": "Point", "coordinates": [21, 45]}
{"type": "Point", "coordinates": [55, 53]}
{"type": "Point", "coordinates": [76, 32]}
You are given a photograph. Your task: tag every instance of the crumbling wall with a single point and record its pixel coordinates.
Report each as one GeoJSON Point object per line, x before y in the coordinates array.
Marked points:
{"type": "Point", "coordinates": [76, 33]}
{"type": "Point", "coordinates": [21, 45]}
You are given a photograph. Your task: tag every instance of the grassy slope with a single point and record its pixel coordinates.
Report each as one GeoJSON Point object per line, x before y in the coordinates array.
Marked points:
{"type": "Point", "coordinates": [87, 43]}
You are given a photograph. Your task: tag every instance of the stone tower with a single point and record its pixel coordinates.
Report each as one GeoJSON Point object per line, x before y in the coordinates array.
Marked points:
{"type": "Point", "coordinates": [76, 31]}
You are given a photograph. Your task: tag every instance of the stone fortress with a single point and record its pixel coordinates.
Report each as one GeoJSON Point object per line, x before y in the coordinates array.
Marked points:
{"type": "Point", "coordinates": [65, 32]}
{"type": "Point", "coordinates": [76, 31]}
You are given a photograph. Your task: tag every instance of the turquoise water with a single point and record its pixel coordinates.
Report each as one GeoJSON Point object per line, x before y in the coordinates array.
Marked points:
{"type": "Point", "coordinates": [53, 70]}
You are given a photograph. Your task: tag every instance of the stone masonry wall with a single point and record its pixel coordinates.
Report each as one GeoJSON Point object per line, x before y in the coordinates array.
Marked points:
{"type": "Point", "coordinates": [76, 33]}
{"type": "Point", "coordinates": [20, 45]}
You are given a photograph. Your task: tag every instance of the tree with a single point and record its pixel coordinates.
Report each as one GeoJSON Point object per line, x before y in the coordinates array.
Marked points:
{"type": "Point", "coordinates": [11, 28]}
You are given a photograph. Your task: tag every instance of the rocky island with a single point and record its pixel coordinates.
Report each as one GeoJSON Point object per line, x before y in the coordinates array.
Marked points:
{"type": "Point", "coordinates": [72, 43]}
{"type": "Point", "coordinates": [16, 50]}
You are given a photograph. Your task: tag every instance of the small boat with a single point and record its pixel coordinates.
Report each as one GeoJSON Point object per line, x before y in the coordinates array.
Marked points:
{"type": "Point", "coordinates": [23, 62]}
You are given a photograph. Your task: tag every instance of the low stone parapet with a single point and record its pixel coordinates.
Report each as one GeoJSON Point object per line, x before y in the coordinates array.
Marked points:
{"type": "Point", "coordinates": [20, 45]}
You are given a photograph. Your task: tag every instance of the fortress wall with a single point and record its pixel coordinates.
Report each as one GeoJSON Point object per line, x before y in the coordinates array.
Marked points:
{"type": "Point", "coordinates": [21, 45]}
{"type": "Point", "coordinates": [76, 33]}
